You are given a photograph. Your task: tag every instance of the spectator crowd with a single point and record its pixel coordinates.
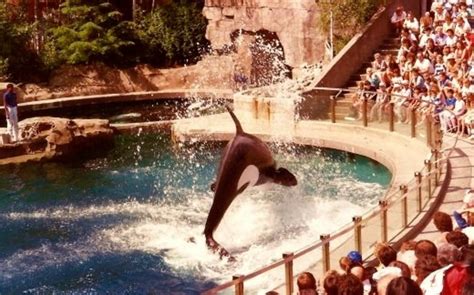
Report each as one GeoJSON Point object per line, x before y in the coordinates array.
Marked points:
{"type": "Point", "coordinates": [443, 264]}
{"type": "Point", "coordinates": [432, 71]}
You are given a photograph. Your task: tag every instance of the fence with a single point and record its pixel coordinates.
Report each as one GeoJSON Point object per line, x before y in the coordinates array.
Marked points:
{"type": "Point", "coordinates": [398, 213]}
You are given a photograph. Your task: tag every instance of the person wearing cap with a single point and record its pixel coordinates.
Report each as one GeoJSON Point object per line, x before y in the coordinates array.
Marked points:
{"type": "Point", "coordinates": [355, 257]}
{"type": "Point", "coordinates": [398, 18]}
{"type": "Point", "coordinates": [11, 111]}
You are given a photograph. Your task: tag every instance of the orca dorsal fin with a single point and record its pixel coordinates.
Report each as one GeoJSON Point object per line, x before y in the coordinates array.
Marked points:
{"type": "Point", "coordinates": [238, 127]}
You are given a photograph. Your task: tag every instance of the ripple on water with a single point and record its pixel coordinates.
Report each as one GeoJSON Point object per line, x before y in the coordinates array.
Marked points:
{"type": "Point", "coordinates": [123, 222]}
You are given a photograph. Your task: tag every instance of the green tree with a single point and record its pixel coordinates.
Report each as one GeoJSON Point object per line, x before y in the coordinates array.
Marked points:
{"type": "Point", "coordinates": [348, 17]}
{"type": "Point", "coordinates": [175, 32]}
{"type": "Point", "coordinates": [18, 59]}
{"type": "Point", "coordinates": [91, 30]}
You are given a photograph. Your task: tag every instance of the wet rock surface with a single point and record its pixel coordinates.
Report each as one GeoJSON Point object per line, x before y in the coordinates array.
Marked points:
{"type": "Point", "coordinates": [50, 138]}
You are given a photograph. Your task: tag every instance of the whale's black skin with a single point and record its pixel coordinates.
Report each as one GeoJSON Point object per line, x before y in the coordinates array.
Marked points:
{"type": "Point", "coordinates": [242, 151]}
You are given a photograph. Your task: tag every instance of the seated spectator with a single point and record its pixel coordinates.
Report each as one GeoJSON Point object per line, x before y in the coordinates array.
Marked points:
{"type": "Point", "coordinates": [451, 278]}
{"type": "Point", "coordinates": [425, 265]}
{"type": "Point", "coordinates": [383, 283]}
{"type": "Point", "coordinates": [403, 286]}
{"type": "Point", "coordinates": [355, 257]}
{"type": "Point", "coordinates": [379, 65]}
{"type": "Point", "coordinates": [331, 282]}
{"type": "Point", "coordinates": [457, 238]}
{"type": "Point", "coordinates": [405, 269]}
{"type": "Point", "coordinates": [407, 254]}
{"type": "Point", "coordinates": [381, 101]}
{"type": "Point", "coordinates": [448, 24]}
{"type": "Point", "coordinates": [426, 21]}
{"type": "Point", "coordinates": [349, 284]}
{"type": "Point", "coordinates": [306, 284]}
{"type": "Point", "coordinates": [448, 254]}
{"type": "Point", "coordinates": [425, 247]}
{"type": "Point", "coordinates": [423, 64]}
{"type": "Point", "coordinates": [411, 23]}
{"type": "Point", "coordinates": [398, 18]}
{"type": "Point", "coordinates": [385, 254]}
{"type": "Point", "coordinates": [345, 264]}
{"type": "Point", "coordinates": [443, 223]}
{"type": "Point", "coordinates": [462, 27]}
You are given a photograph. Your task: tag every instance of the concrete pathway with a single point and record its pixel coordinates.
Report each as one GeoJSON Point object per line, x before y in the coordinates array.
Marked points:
{"type": "Point", "coordinates": [462, 178]}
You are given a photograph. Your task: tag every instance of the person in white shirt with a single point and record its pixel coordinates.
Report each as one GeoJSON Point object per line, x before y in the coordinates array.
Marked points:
{"type": "Point", "coordinates": [423, 64]}
{"type": "Point", "coordinates": [427, 34]}
{"type": "Point", "coordinates": [398, 18]}
{"type": "Point", "coordinates": [439, 15]}
{"type": "Point", "coordinates": [462, 27]}
{"type": "Point", "coordinates": [448, 24]}
{"type": "Point", "coordinates": [451, 39]}
{"type": "Point", "coordinates": [411, 23]}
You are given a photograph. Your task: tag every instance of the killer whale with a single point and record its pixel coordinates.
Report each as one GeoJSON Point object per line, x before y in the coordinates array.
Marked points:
{"type": "Point", "coordinates": [246, 161]}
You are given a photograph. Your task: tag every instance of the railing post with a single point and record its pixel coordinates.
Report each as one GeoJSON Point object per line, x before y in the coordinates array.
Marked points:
{"type": "Point", "coordinates": [429, 177]}
{"type": "Point", "coordinates": [419, 191]}
{"type": "Point", "coordinates": [413, 122]}
{"type": "Point", "coordinates": [239, 288]}
{"type": "Point", "coordinates": [288, 273]}
{"type": "Point", "coordinates": [404, 191]}
{"type": "Point", "coordinates": [357, 233]}
{"type": "Point", "coordinates": [436, 166]}
{"type": "Point", "coordinates": [364, 112]}
{"type": "Point", "coordinates": [333, 108]}
{"type": "Point", "coordinates": [383, 217]}
{"type": "Point", "coordinates": [391, 117]}
{"type": "Point", "coordinates": [326, 253]}
{"type": "Point", "coordinates": [429, 132]}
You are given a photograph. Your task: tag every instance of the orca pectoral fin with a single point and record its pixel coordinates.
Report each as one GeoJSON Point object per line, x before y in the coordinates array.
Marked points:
{"type": "Point", "coordinates": [242, 188]}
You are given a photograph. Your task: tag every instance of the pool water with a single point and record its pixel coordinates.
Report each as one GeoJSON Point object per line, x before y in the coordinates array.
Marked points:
{"type": "Point", "coordinates": [123, 223]}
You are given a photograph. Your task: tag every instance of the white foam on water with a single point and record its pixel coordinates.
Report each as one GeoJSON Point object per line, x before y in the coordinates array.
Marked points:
{"type": "Point", "coordinates": [259, 226]}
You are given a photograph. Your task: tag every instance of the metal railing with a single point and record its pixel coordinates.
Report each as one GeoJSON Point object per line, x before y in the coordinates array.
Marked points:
{"type": "Point", "coordinates": [394, 215]}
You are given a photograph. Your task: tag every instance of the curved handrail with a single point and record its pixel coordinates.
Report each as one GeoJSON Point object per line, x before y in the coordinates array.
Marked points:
{"type": "Point", "coordinates": [390, 200]}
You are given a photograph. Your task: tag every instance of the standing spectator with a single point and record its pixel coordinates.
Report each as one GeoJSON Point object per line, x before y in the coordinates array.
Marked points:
{"type": "Point", "coordinates": [11, 112]}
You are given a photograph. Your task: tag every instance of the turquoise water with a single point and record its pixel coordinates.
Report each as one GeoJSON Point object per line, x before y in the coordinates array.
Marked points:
{"type": "Point", "coordinates": [122, 223]}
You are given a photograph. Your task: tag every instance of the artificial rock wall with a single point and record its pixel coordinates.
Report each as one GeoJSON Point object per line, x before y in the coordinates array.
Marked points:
{"type": "Point", "coordinates": [293, 21]}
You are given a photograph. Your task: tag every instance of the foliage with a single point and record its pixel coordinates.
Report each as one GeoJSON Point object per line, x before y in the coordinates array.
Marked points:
{"type": "Point", "coordinates": [17, 55]}
{"type": "Point", "coordinates": [348, 17]}
{"type": "Point", "coordinates": [89, 31]}
{"type": "Point", "coordinates": [176, 30]}
{"type": "Point", "coordinates": [92, 31]}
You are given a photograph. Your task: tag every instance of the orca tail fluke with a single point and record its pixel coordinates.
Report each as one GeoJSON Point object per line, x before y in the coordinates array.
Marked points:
{"type": "Point", "coordinates": [238, 127]}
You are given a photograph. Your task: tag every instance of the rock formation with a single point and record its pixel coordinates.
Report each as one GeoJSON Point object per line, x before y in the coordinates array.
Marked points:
{"type": "Point", "coordinates": [49, 138]}
{"type": "Point", "coordinates": [293, 21]}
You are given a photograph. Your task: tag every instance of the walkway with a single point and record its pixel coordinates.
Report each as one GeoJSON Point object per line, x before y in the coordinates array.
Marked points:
{"type": "Point", "coordinates": [122, 97]}
{"type": "Point", "coordinates": [462, 178]}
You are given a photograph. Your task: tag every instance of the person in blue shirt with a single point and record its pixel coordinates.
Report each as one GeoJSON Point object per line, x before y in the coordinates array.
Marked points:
{"type": "Point", "coordinates": [11, 112]}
